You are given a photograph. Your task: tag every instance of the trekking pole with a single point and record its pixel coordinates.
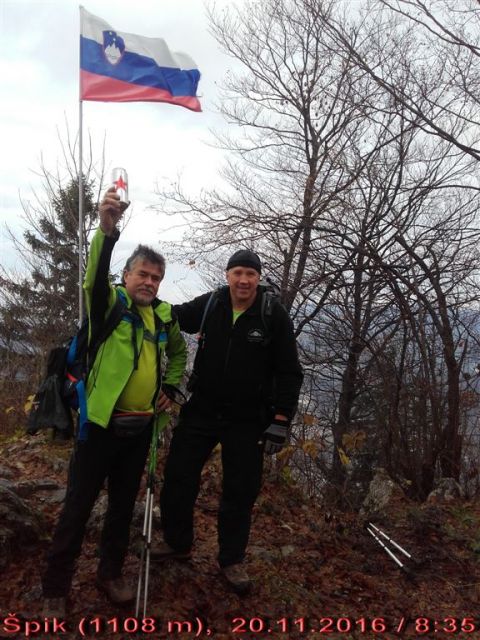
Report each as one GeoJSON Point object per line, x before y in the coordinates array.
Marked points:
{"type": "Point", "coordinates": [143, 579]}
{"type": "Point", "coordinates": [404, 551]}
{"type": "Point", "coordinates": [385, 546]}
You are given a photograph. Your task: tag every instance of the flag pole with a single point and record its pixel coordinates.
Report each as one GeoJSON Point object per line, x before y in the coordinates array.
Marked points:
{"type": "Point", "coordinates": [80, 192]}
{"type": "Point", "coordinates": [80, 216]}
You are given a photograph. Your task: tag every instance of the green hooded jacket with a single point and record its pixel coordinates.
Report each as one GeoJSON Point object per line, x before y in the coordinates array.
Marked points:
{"type": "Point", "coordinates": [114, 361]}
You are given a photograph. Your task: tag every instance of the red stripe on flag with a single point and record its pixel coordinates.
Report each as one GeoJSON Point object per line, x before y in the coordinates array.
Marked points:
{"type": "Point", "coordinates": [103, 89]}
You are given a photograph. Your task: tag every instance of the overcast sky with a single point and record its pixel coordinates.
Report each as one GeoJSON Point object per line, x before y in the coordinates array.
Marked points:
{"type": "Point", "coordinates": [39, 63]}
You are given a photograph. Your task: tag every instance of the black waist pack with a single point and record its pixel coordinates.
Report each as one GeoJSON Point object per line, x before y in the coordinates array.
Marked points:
{"type": "Point", "coordinates": [128, 425]}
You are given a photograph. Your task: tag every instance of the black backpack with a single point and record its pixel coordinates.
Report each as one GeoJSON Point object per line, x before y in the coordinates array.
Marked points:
{"type": "Point", "coordinates": [63, 388]}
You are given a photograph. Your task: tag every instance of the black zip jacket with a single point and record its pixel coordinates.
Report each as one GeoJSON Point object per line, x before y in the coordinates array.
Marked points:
{"type": "Point", "coordinates": [248, 370]}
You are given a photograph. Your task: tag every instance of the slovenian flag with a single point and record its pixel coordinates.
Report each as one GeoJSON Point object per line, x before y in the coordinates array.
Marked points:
{"type": "Point", "coordinates": [123, 67]}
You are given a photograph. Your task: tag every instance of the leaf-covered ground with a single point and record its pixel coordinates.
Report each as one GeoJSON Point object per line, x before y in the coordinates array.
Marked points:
{"type": "Point", "coordinates": [308, 565]}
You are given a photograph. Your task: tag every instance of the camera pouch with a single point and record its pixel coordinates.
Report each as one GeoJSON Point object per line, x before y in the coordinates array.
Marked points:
{"type": "Point", "coordinates": [128, 425]}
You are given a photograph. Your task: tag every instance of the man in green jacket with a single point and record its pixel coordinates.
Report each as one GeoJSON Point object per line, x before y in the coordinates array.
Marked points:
{"type": "Point", "coordinates": [125, 393]}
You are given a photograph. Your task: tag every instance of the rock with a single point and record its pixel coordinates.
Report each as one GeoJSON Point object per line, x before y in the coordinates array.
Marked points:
{"type": "Point", "coordinates": [359, 474]}
{"type": "Point", "coordinates": [287, 550]}
{"type": "Point", "coordinates": [381, 492]}
{"type": "Point", "coordinates": [34, 594]}
{"type": "Point", "coordinates": [21, 525]}
{"type": "Point", "coordinates": [26, 488]}
{"type": "Point", "coordinates": [263, 554]}
{"type": "Point", "coordinates": [55, 497]}
{"type": "Point", "coordinates": [7, 484]}
{"type": "Point", "coordinates": [95, 522]}
{"type": "Point", "coordinates": [446, 490]}
{"type": "Point", "coordinates": [6, 472]}
{"type": "Point", "coordinates": [60, 466]}
{"type": "Point", "coordinates": [6, 539]}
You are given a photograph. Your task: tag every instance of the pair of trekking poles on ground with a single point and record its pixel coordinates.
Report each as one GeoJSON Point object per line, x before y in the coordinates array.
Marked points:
{"type": "Point", "coordinates": [391, 548]}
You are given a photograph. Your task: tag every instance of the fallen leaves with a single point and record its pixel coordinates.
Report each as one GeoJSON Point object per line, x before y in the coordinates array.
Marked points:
{"type": "Point", "coordinates": [302, 563]}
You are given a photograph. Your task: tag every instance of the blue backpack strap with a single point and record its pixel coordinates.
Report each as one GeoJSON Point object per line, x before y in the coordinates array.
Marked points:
{"type": "Point", "coordinates": [81, 395]}
{"type": "Point", "coordinates": [72, 350]}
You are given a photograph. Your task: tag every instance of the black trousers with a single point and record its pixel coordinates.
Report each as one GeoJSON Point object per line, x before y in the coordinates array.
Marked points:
{"type": "Point", "coordinates": [242, 461]}
{"type": "Point", "coordinates": [102, 456]}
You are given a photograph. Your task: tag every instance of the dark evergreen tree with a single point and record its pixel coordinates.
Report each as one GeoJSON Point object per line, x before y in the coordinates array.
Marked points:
{"type": "Point", "coordinates": [39, 308]}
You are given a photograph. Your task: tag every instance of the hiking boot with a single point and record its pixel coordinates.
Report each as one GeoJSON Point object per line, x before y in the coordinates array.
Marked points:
{"type": "Point", "coordinates": [163, 551]}
{"type": "Point", "coordinates": [117, 590]}
{"type": "Point", "coordinates": [55, 608]}
{"type": "Point", "coordinates": [237, 578]}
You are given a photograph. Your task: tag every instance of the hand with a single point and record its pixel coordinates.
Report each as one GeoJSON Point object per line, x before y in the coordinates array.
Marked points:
{"type": "Point", "coordinates": [110, 211]}
{"type": "Point", "coordinates": [163, 402]}
{"type": "Point", "coordinates": [275, 437]}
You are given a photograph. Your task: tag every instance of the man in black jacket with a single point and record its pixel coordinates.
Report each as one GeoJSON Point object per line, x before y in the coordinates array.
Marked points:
{"type": "Point", "coordinates": [246, 382]}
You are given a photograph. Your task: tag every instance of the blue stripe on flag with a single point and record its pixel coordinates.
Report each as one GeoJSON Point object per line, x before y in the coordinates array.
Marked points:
{"type": "Point", "coordinates": [137, 69]}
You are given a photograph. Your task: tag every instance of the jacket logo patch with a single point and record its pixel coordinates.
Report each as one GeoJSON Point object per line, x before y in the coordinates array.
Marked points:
{"type": "Point", "coordinates": [255, 335]}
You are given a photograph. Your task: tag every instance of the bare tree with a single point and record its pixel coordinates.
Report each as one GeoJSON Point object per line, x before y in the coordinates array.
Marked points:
{"type": "Point", "coordinates": [366, 219]}
{"type": "Point", "coordinates": [424, 54]}
{"type": "Point", "coordinates": [295, 108]}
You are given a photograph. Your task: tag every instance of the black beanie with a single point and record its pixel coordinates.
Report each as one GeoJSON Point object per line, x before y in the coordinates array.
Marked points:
{"type": "Point", "coordinates": [245, 258]}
